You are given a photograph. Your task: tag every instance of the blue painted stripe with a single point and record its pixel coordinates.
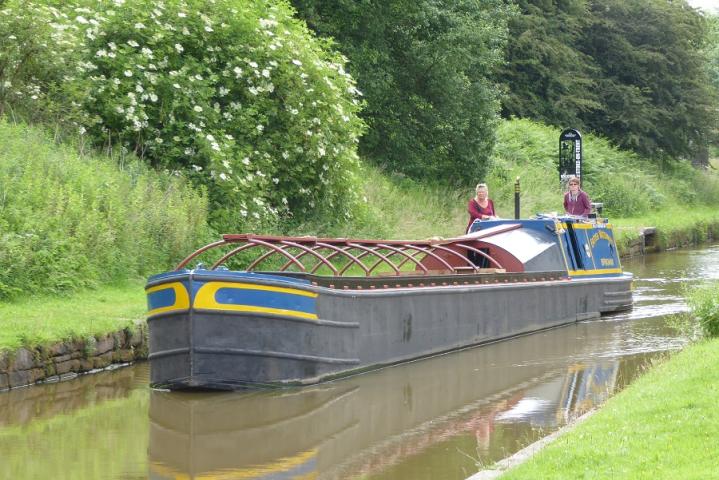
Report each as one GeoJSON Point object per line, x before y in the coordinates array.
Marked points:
{"type": "Point", "coordinates": [161, 298]}
{"type": "Point", "coordinates": [269, 299]}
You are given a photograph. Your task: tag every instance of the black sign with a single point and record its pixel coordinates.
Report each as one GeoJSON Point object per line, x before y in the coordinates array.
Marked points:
{"type": "Point", "coordinates": [570, 155]}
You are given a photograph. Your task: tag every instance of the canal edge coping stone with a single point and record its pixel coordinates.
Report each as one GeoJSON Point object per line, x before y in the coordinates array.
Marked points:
{"type": "Point", "coordinates": [527, 452]}
{"type": "Point", "coordinates": [67, 359]}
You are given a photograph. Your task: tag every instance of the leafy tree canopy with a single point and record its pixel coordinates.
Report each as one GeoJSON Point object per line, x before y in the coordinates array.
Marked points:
{"type": "Point", "coordinates": [657, 98]}
{"type": "Point", "coordinates": [424, 69]}
{"type": "Point", "coordinates": [546, 76]}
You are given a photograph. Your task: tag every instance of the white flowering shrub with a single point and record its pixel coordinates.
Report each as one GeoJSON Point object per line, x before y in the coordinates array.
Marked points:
{"type": "Point", "coordinates": [236, 92]}
{"type": "Point", "coordinates": [35, 51]}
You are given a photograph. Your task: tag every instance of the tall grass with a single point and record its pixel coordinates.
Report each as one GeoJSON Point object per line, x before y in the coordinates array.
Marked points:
{"type": "Point", "coordinates": [69, 221]}
{"type": "Point", "coordinates": [704, 304]}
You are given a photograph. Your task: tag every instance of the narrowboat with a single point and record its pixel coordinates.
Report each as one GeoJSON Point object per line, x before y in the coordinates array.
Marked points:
{"type": "Point", "coordinates": [274, 311]}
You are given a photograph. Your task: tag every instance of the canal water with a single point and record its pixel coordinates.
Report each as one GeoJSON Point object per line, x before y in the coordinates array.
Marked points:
{"type": "Point", "coordinates": [440, 418]}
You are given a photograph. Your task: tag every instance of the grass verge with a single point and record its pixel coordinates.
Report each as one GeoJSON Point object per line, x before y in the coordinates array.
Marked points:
{"type": "Point", "coordinates": [43, 320]}
{"type": "Point", "coordinates": [662, 427]}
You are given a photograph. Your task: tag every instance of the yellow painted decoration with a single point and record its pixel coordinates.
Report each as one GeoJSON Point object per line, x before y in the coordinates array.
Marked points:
{"type": "Point", "coordinates": [259, 471]}
{"type": "Point", "coordinates": [577, 273]}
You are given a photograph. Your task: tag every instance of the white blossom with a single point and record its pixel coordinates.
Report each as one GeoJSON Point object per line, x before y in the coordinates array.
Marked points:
{"type": "Point", "coordinates": [179, 48]}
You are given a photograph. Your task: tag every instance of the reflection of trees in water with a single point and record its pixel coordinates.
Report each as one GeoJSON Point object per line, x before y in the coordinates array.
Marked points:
{"type": "Point", "coordinates": [90, 427]}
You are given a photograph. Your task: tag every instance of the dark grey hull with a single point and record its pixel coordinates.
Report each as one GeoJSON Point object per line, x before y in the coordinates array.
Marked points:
{"type": "Point", "coordinates": [359, 330]}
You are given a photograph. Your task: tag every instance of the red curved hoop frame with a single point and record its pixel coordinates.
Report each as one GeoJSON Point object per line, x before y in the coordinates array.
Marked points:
{"type": "Point", "coordinates": [339, 255]}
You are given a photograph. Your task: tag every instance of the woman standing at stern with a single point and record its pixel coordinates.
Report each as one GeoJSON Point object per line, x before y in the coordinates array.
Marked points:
{"type": "Point", "coordinates": [480, 207]}
{"type": "Point", "coordinates": [576, 201]}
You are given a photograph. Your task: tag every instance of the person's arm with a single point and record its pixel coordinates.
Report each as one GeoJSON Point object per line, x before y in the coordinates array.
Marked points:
{"type": "Point", "coordinates": [491, 207]}
{"type": "Point", "coordinates": [566, 203]}
{"type": "Point", "coordinates": [586, 203]}
{"type": "Point", "coordinates": [473, 210]}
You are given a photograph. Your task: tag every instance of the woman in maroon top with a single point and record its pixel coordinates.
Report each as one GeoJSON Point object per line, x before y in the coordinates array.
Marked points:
{"type": "Point", "coordinates": [480, 207]}
{"type": "Point", "coordinates": [576, 201]}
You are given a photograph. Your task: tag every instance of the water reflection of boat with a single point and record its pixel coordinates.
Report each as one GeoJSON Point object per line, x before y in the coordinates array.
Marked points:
{"type": "Point", "coordinates": [338, 313]}
{"type": "Point", "coordinates": [367, 424]}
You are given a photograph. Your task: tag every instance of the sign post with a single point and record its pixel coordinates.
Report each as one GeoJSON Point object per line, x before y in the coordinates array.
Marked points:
{"type": "Point", "coordinates": [570, 156]}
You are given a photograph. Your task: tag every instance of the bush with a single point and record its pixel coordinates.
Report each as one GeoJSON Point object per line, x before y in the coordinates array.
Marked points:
{"type": "Point", "coordinates": [704, 304]}
{"type": "Point", "coordinates": [238, 95]}
{"type": "Point", "coordinates": [68, 222]}
{"type": "Point", "coordinates": [35, 56]}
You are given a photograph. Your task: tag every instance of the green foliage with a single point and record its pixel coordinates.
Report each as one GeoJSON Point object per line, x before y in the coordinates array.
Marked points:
{"type": "Point", "coordinates": [69, 222]}
{"type": "Point", "coordinates": [592, 64]}
{"type": "Point", "coordinates": [34, 60]}
{"type": "Point", "coordinates": [546, 77]}
{"type": "Point", "coordinates": [704, 304]}
{"type": "Point", "coordinates": [238, 95]}
{"type": "Point", "coordinates": [656, 95]}
{"type": "Point", "coordinates": [424, 68]}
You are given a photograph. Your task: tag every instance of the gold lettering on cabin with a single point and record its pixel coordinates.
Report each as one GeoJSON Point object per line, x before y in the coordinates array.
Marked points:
{"type": "Point", "coordinates": [607, 262]}
{"type": "Point", "coordinates": [600, 234]}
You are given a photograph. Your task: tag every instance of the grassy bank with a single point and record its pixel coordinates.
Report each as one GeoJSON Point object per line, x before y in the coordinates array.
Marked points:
{"type": "Point", "coordinates": [43, 320]}
{"type": "Point", "coordinates": [662, 427]}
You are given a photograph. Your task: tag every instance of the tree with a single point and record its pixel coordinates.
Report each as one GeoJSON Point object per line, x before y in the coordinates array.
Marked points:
{"type": "Point", "coordinates": [425, 70]}
{"type": "Point", "coordinates": [656, 95]}
{"type": "Point", "coordinates": [546, 77]}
